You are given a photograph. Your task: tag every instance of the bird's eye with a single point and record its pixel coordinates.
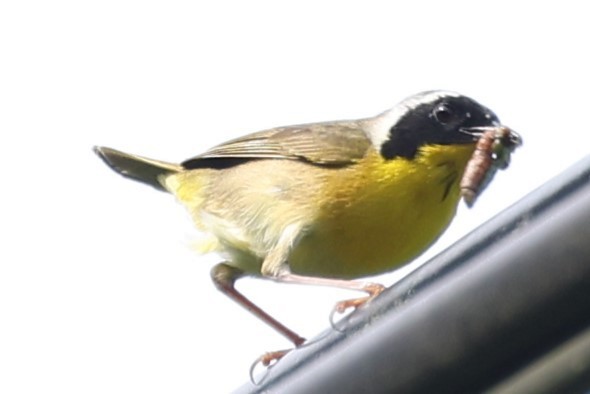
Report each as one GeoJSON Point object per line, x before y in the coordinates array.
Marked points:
{"type": "Point", "coordinates": [443, 114]}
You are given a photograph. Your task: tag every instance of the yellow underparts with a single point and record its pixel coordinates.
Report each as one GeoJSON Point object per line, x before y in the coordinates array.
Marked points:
{"type": "Point", "coordinates": [380, 214]}
{"type": "Point", "coordinates": [364, 219]}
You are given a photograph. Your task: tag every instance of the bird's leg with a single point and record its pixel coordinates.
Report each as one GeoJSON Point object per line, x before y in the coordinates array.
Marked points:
{"type": "Point", "coordinates": [373, 289]}
{"type": "Point", "coordinates": [224, 277]}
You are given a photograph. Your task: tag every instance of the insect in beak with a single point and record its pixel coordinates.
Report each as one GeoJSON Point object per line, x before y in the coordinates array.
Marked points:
{"type": "Point", "coordinates": [494, 145]}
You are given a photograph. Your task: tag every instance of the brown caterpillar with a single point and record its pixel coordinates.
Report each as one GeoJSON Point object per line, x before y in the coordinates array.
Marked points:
{"type": "Point", "coordinates": [492, 152]}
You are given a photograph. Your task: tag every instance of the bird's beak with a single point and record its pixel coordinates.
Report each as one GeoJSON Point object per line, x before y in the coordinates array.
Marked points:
{"type": "Point", "coordinates": [509, 138]}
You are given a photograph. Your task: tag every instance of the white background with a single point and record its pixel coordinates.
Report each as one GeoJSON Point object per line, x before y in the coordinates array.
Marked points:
{"type": "Point", "coordinates": [99, 288]}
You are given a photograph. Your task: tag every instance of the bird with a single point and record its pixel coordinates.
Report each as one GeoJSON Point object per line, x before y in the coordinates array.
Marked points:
{"type": "Point", "coordinates": [325, 203]}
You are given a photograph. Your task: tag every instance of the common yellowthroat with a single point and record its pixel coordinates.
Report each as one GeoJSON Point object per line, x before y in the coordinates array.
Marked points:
{"type": "Point", "coordinates": [324, 203]}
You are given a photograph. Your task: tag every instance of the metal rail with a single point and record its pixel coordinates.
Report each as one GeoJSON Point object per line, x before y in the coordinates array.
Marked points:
{"type": "Point", "coordinates": [499, 310]}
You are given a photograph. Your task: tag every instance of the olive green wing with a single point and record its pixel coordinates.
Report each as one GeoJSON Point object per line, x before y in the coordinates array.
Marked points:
{"type": "Point", "coordinates": [326, 144]}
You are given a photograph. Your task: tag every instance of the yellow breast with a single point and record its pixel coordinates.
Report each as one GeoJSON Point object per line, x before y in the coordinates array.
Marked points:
{"type": "Point", "coordinates": [381, 214]}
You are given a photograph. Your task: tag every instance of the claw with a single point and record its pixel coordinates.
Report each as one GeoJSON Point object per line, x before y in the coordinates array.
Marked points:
{"type": "Point", "coordinates": [267, 360]}
{"type": "Point", "coordinates": [374, 289]}
{"type": "Point", "coordinates": [342, 306]}
{"type": "Point", "coordinates": [271, 358]}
